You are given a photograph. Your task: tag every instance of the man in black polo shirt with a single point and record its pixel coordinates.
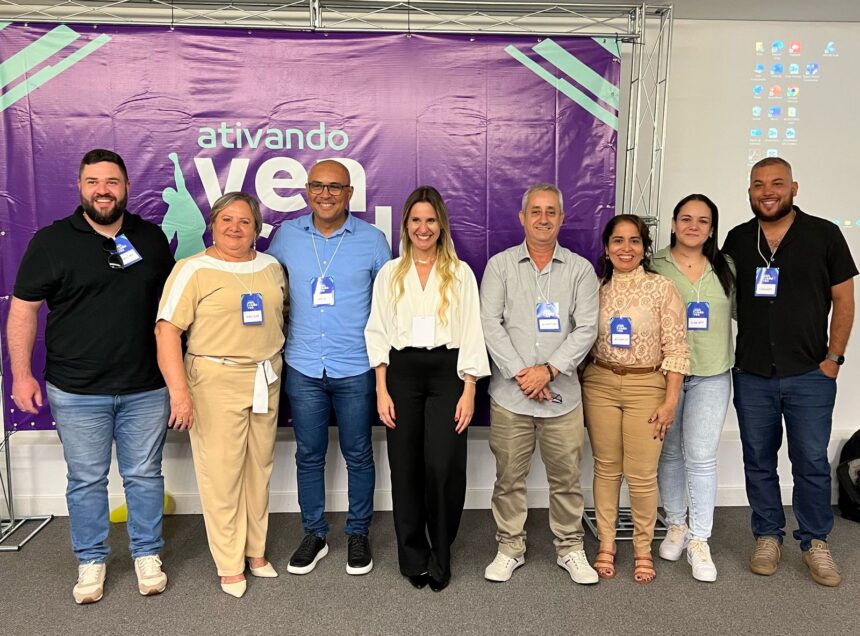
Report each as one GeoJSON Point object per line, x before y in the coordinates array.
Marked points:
{"type": "Point", "coordinates": [790, 268]}
{"type": "Point", "coordinates": [100, 271]}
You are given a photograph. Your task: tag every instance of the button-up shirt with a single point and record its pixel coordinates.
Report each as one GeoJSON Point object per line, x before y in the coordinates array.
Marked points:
{"type": "Point", "coordinates": [329, 338]}
{"type": "Point", "coordinates": [510, 292]}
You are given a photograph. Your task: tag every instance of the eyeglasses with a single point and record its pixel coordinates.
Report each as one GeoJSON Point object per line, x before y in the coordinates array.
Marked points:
{"type": "Point", "coordinates": [114, 259]}
{"type": "Point", "coordinates": [334, 189]}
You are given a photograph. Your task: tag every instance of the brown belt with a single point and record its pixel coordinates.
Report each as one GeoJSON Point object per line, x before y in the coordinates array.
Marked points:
{"type": "Point", "coordinates": [619, 369]}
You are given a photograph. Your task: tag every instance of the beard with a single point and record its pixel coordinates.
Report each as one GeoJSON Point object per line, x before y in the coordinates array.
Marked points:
{"type": "Point", "coordinates": [781, 212]}
{"type": "Point", "coordinates": [107, 218]}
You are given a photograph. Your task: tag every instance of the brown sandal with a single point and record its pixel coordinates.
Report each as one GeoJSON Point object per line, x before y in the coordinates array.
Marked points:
{"type": "Point", "coordinates": [643, 569]}
{"type": "Point", "coordinates": [605, 563]}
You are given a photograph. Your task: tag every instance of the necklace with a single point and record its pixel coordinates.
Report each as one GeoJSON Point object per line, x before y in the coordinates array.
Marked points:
{"type": "Point", "coordinates": [424, 261]}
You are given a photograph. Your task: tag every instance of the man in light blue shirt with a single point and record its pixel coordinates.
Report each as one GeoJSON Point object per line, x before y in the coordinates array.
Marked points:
{"type": "Point", "coordinates": [331, 259]}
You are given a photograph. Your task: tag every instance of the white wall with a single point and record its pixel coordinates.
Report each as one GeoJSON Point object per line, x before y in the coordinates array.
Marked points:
{"type": "Point", "coordinates": [707, 146]}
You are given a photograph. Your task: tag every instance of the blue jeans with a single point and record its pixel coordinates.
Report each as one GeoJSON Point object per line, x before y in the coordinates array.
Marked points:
{"type": "Point", "coordinates": [353, 400]}
{"type": "Point", "coordinates": [688, 463]}
{"type": "Point", "coordinates": [87, 426]}
{"type": "Point", "coordinates": [806, 402]}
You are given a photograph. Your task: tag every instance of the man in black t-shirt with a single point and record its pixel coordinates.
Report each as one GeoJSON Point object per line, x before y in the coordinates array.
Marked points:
{"type": "Point", "coordinates": [100, 271]}
{"type": "Point", "coordinates": [791, 268]}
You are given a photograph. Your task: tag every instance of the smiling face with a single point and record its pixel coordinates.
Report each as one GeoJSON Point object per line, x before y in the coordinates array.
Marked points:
{"type": "Point", "coordinates": [423, 228]}
{"type": "Point", "coordinates": [104, 192]}
{"type": "Point", "coordinates": [329, 208]}
{"type": "Point", "coordinates": [624, 248]}
{"type": "Point", "coordinates": [693, 224]}
{"type": "Point", "coordinates": [234, 229]}
{"type": "Point", "coordinates": [771, 192]}
{"type": "Point", "coordinates": [541, 219]}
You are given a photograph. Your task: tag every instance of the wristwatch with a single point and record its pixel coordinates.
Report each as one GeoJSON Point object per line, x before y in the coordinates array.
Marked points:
{"type": "Point", "coordinates": [840, 360]}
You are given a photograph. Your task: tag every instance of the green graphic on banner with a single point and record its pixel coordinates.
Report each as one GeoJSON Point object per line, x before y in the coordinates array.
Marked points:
{"type": "Point", "coordinates": [611, 45]}
{"type": "Point", "coordinates": [45, 49]}
{"type": "Point", "coordinates": [565, 87]}
{"type": "Point", "coordinates": [582, 73]}
{"type": "Point", "coordinates": [183, 218]}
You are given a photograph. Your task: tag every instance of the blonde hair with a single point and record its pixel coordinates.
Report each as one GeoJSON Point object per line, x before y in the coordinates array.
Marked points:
{"type": "Point", "coordinates": [446, 256]}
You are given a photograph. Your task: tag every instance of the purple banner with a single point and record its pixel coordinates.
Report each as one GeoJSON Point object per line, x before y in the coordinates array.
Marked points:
{"type": "Point", "coordinates": [199, 112]}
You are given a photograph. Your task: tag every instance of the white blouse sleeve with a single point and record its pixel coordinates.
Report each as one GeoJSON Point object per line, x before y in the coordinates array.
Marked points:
{"type": "Point", "coordinates": [472, 358]}
{"type": "Point", "coordinates": [377, 334]}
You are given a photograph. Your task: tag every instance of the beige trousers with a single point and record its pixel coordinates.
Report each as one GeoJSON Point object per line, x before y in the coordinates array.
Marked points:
{"type": "Point", "coordinates": [617, 408]}
{"type": "Point", "coordinates": [233, 451]}
{"type": "Point", "coordinates": [512, 440]}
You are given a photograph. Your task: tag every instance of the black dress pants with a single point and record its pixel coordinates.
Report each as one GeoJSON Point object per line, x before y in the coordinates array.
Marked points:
{"type": "Point", "coordinates": [427, 458]}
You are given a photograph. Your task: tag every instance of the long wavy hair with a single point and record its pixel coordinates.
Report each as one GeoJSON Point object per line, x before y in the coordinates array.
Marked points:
{"type": "Point", "coordinates": [446, 256]}
{"type": "Point", "coordinates": [647, 245]}
{"type": "Point", "coordinates": [709, 248]}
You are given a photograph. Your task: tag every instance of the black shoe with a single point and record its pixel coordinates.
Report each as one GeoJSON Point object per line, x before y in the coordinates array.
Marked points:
{"type": "Point", "coordinates": [419, 581]}
{"type": "Point", "coordinates": [305, 558]}
{"type": "Point", "coordinates": [359, 559]}
{"type": "Point", "coordinates": [438, 586]}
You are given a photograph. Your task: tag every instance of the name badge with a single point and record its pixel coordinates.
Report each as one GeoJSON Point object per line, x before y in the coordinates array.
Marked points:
{"type": "Point", "coordinates": [766, 281]}
{"type": "Point", "coordinates": [620, 332]}
{"type": "Point", "coordinates": [252, 309]}
{"type": "Point", "coordinates": [698, 316]}
{"type": "Point", "coordinates": [547, 317]}
{"type": "Point", "coordinates": [126, 251]}
{"type": "Point", "coordinates": [424, 331]}
{"type": "Point", "coordinates": [322, 291]}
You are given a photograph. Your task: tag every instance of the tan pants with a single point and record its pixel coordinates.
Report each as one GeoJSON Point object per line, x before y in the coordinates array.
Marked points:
{"type": "Point", "coordinates": [617, 408]}
{"type": "Point", "coordinates": [512, 440]}
{"type": "Point", "coordinates": [233, 451]}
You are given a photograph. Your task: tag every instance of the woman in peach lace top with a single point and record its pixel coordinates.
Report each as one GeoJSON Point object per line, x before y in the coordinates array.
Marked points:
{"type": "Point", "coordinates": [630, 388]}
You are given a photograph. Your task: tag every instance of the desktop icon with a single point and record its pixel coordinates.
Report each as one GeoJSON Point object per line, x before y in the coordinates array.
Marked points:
{"type": "Point", "coordinates": [774, 112]}
{"type": "Point", "coordinates": [776, 69]}
{"type": "Point", "coordinates": [775, 91]}
{"type": "Point", "coordinates": [794, 69]}
{"type": "Point", "coordinates": [812, 68]}
{"type": "Point", "coordinates": [759, 69]}
{"type": "Point", "coordinates": [772, 133]}
{"type": "Point", "coordinates": [777, 46]}
{"type": "Point", "coordinates": [795, 47]}
{"type": "Point", "coordinates": [791, 111]}
{"type": "Point", "coordinates": [759, 47]}
{"type": "Point", "coordinates": [793, 91]}
{"type": "Point", "coordinates": [758, 89]}
{"type": "Point", "coordinates": [756, 111]}
{"type": "Point", "coordinates": [790, 133]}
{"type": "Point", "coordinates": [772, 152]}
{"type": "Point", "coordinates": [830, 49]}
{"type": "Point", "coordinates": [755, 133]}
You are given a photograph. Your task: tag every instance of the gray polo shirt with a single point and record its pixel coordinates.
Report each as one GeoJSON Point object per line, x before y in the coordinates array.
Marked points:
{"type": "Point", "coordinates": [510, 292]}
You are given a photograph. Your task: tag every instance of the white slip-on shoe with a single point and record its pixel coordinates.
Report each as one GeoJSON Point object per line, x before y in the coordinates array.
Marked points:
{"type": "Point", "coordinates": [502, 567]}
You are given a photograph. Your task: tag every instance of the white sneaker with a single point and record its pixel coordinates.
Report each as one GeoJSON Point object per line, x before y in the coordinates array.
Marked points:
{"type": "Point", "coordinates": [699, 557]}
{"type": "Point", "coordinates": [91, 583]}
{"type": "Point", "coordinates": [502, 567]}
{"type": "Point", "coordinates": [576, 564]}
{"type": "Point", "coordinates": [672, 547]}
{"type": "Point", "coordinates": [150, 578]}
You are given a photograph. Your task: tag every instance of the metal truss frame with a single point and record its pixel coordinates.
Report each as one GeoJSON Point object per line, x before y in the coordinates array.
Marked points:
{"type": "Point", "coordinates": [643, 33]}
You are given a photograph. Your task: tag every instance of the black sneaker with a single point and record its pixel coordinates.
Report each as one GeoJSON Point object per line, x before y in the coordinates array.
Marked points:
{"type": "Point", "coordinates": [359, 560]}
{"type": "Point", "coordinates": [305, 558]}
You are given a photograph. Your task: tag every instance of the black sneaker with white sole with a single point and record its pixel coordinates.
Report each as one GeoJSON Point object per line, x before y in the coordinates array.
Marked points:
{"type": "Point", "coordinates": [359, 559]}
{"type": "Point", "coordinates": [308, 554]}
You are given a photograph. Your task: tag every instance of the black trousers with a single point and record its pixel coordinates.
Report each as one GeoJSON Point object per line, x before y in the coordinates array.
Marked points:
{"type": "Point", "coordinates": [427, 458]}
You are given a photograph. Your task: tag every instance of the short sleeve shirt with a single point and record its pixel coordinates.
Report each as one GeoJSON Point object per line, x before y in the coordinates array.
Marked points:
{"type": "Point", "coordinates": [786, 334]}
{"type": "Point", "coordinates": [99, 334]}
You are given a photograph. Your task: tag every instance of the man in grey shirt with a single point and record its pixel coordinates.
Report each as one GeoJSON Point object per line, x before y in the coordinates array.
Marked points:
{"type": "Point", "coordinates": [539, 310]}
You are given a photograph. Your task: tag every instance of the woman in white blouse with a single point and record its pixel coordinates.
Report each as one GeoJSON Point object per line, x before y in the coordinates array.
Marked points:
{"type": "Point", "coordinates": [424, 339]}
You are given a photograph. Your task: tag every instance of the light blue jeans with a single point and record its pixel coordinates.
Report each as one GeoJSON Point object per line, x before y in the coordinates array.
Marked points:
{"type": "Point", "coordinates": [87, 426]}
{"type": "Point", "coordinates": [688, 464]}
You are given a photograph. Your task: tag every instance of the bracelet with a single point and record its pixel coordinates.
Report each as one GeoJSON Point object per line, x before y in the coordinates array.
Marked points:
{"type": "Point", "coordinates": [549, 368]}
{"type": "Point", "coordinates": [470, 381]}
